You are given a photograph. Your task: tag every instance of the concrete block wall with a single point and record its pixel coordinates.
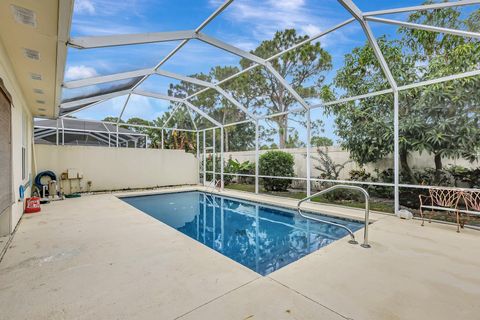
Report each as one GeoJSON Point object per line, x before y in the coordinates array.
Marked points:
{"type": "Point", "coordinates": [119, 168]}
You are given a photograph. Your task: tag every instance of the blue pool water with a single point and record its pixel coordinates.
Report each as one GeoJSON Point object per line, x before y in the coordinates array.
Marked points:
{"type": "Point", "coordinates": [260, 237]}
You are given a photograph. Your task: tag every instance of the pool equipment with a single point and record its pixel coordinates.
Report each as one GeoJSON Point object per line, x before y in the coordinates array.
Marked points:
{"type": "Point", "coordinates": [71, 180]}
{"type": "Point", "coordinates": [43, 187]}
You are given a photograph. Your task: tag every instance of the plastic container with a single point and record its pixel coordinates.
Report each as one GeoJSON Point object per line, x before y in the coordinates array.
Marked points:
{"type": "Point", "coordinates": [32, 205]}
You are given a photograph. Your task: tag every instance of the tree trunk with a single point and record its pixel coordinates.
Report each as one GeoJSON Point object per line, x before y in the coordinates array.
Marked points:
{"type": "Point", "coordinates": [225, 139]}
{"type": "Point", "coordinates": [438, 168]}
{"type": "Point", "coordinates": [406, 167]}
{"type": "Point", "coordinates": [282, 131]}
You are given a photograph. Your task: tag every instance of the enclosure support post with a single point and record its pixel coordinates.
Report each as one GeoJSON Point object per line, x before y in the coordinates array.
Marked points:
{"type": "Point", "coordinates": [197, 134]}
{"type": "Point", "coordinates": [222, 183]}
{"type": "Point", "coordinates": [56, 136]}
{"type": "Point", "coordinates": [257, 237]}
{"type": "Point", "coordinates": [63, 133]}
{"type": "Point", "coordinates": [162, 140]}
{"type": "Point", "coordinates": [214, 154]}
{"type": "Point", "coordinates": [256, 156]}
{"type": "Point", "coordinates": [204, 158]}
{"type": "Point", "coordinates": [117, 135]}
{"type": "Point", "coordinates": [309, 140]}
{"type": "Point", "coordinates": [396, 150]}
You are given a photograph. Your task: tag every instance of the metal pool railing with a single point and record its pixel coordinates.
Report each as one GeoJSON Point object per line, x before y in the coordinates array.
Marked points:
{"type": "Point", "coordinates": [367, 212]}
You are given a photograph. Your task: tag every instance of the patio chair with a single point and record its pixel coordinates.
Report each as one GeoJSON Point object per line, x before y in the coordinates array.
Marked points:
{"type": "Point", "coordinates": [472, 204]}
{"type": "Point", "coordinates": [441, 199]}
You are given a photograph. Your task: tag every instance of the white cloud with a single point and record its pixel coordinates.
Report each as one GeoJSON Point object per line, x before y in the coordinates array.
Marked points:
{"type": "Point", "coordinates": [79, 72]}
{"type": "Point", "coordinates": [93, 27]}
{"type": "Point", "coordinates": [244, 44]}
{"type": "Point", "coordinates": [311, 29]}
{"type": "Point", "coordinates": [287, 4]}
{"type": "Point", "coordinates": [102, 17]}
{"type": "Point", "coordinates": [145, 108]}
{"type": "Point", "coordinates": [263, 19]}
{"type": "Point", "coordinates": [84, 7]}
{"type": "Point", "coordinates": [112, 7]}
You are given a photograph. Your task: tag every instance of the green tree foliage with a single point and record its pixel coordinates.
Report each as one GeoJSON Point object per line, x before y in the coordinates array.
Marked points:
{"type": "Point", "coordinates": [441, 119]}
{"type": "Point", "coordinates": [327, 167]}
{"type": "Point", "coordinates": [303, 67]}
{"type": "Point", "coordinates": [218, 107]}
{"type": "Point", "coordinates": [318, 141]}
{"type": "Point", "coordinates": [258, 90]}
{"type": "Point", "coordinates": [276, 163]}
{"type": "Point", "coordinates": [112, 119]}
{"type": "Point", "coordinates": [175, 139]}
{"type": "Point", "coordinates": [141, 122]}
{"type": "Point", "coordinates": [234, 166]}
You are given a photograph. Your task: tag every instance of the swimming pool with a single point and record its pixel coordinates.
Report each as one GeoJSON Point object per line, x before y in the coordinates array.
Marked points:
{"type": "Point", "coordinates": [261, 237]}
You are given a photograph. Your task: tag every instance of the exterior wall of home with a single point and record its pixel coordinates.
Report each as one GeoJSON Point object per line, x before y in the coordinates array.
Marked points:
{"type": "Point", "coordinates": [118, 168]}
{"type": "Point", "coordinates": [21, 125]}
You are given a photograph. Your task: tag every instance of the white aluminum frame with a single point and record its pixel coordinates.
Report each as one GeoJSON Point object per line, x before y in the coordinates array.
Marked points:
{"type": "Point", "coordinates": [363, 18]}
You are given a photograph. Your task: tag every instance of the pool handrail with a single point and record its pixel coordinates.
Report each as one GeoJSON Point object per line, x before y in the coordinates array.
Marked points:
{"type": "Point", "coordinates": [367, 211]}
{"type": "Point", "coordinates": [214, 187]}
{"type": "Point", "coordinates": [209, 186]}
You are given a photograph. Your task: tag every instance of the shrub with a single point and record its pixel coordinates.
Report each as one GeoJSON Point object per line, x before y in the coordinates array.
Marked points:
{"type": "Point", "coordinates": [327, 167]}
{"type": "Point", "coordinates": [464, 177]}
{"type": "Point", "coordinates": [234, 166]}
{"type": "Point", "coordinates": [360, 175]}
{"type": "Point", "coordinates": [276, 163]}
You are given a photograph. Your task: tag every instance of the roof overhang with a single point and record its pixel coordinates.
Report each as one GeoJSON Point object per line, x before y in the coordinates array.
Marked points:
{"type": "Point", "coordinates": [37, 49]}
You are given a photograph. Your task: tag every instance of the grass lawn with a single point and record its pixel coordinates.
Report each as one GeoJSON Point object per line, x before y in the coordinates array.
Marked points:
{"type": "Point", "coordinates": [376, 205]}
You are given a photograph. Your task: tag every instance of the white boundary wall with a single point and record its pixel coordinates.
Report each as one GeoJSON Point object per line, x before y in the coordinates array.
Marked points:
{"type": "Point", "coordinates": [119, 168]}
{"type": "Point", "coordinates": [340, 156]}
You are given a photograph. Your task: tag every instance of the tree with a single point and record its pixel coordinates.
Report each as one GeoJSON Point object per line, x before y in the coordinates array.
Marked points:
{"type": "Point", "coordinates": [174, 139]}
{"type": "Point", "coordinates": [241, 137]}
{"type": "Point", "coordinates": [218, 107]}
{"type": "Point", "coordinates": [112, 119]}
{"type": "Point", "coordinates": [321, 141]}
{"type": "Point", "coordinates": [303, 67]}
{"type": "Point", "coordinates": [441, 119]}
{"type": "Point", "coordinates": [141, 122]}
{"type": "Point", "coordinates": [293, 141]}
{"type": "Point", "coordinates": [258, 90]}
{"type": "Point", "coordinates": [450, 110]}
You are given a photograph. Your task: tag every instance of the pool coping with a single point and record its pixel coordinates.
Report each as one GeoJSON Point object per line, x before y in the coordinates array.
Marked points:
{"type": "Point", "coordinates": [286, 203]}
{"type": "Point", "coordinates": [257, 202]}
{"type": "Point", "coordinates": [335, 211]}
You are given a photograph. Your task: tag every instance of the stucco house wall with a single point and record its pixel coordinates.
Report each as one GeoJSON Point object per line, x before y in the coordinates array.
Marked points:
{"type": "Point", "coordinates": [10, 218]}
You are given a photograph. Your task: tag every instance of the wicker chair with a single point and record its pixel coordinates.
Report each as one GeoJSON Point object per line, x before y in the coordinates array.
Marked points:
{"type": "Point", "coordinates": [441, 199]}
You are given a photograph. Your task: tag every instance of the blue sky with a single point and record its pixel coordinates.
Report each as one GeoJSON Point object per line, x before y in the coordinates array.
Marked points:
{"type": "Point", "coordinates": [245, 23]}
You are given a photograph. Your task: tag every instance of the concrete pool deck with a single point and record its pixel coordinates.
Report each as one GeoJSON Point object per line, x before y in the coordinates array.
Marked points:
{"type": "Point", "coordinates": [96, 257]}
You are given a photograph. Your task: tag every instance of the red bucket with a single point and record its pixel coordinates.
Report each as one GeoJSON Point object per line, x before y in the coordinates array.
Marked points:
{"type": "Point", "coordinates": [32, 205]}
